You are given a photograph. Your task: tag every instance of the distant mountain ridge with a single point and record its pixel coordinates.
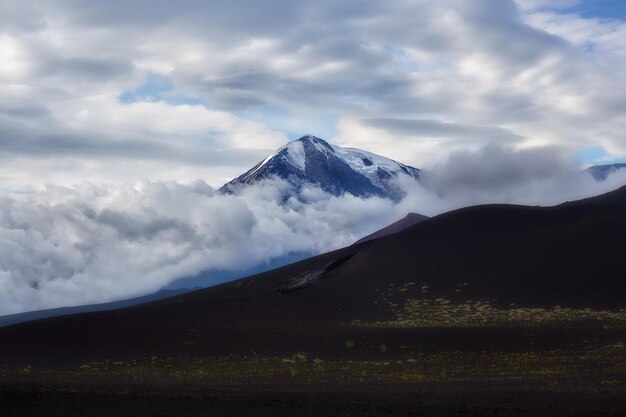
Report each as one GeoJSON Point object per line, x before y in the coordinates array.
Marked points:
{"type": "Point", "coordinates": [335, 169]}
{"type": "Point", "coordinates": [602, 172]}
{"type": "Point", "coordinates": [11, 319]}
{"type": "Point", "coordinates": [409, 220]}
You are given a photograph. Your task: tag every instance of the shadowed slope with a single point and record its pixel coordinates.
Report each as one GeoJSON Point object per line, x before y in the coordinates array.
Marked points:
{"type": "Point", "coordinates": [66, 311]}
{"type": "Point", "coordinates": [570, 256]}
{"type": "Point", "coordinates": [407, 221]}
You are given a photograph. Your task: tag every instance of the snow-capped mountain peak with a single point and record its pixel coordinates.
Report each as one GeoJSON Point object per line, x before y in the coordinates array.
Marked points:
{"type": "Point", "coordinates": [335, 169]}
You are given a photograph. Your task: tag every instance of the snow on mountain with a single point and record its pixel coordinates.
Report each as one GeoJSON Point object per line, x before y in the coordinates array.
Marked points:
{"type": "Point", "coordinates": [335, 169]}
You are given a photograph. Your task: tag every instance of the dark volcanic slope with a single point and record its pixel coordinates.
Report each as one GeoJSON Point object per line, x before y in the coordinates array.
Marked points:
{"type": "Point", "coordinates": [407, 221]}
{"type": "Point", "coordinates": [570, 256]}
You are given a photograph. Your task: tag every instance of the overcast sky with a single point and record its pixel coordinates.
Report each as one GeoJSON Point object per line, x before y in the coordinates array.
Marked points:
{"type": "Point", "coordinates": [118, 90]}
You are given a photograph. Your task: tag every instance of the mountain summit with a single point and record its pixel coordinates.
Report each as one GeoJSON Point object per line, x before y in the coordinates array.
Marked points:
{"type": "Point", "coordinates": [336, 170]}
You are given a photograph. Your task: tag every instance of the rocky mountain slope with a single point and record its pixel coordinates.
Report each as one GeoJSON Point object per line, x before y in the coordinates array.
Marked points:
{"type": "Point", "coordinates": [335, 169]}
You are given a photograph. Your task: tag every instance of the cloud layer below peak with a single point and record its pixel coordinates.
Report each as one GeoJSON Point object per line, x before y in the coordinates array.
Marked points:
{"type": "Point", "coordinates": [95, 243]}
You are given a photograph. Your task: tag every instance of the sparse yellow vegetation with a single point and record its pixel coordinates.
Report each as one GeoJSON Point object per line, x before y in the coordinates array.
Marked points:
{"type": "Point", "coordinates": [440, 312]}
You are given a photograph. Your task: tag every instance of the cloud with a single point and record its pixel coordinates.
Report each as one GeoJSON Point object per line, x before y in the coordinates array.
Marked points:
{"type": "Point", "coordinates": [502, 174]}
{"type": "Point", "coordinates": [437, 129]}
{"type": "Point", "coordinates": [496, 169]}
{"type": "Point", "coordinates": [102, 132]}
{"type": "Point", "coordinates": [493, 95]}
{"type": "Point", "coordinates": [95, 243]}
{"type": "Point", "coordinates": [91, 243]}
{"type": "Point", "coordinates": [246, 76]}
{"type": "Point", "coordinates": [599, 38]}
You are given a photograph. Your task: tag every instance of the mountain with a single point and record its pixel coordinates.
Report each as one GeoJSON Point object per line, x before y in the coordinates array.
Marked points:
{"type": "Point", "coordinates": [409, 220]}
{"type": "Point", "coordinates": [523, 282]}
{"type": "Point", "coordinates": [336, 170]}
{"type": "Point", "coordinates": [601, 172]}
{"type": "Point", "coordinates": [90, 308]}
{"type": "Point", "coordinates": [202, 280]}
{"type": "Point", "coordinates": [181, 286]}
{"type": "Point", "coordinates": [215, 277]}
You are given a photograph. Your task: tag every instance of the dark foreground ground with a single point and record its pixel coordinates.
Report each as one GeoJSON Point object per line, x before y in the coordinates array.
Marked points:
{"type": "Point", "coordinates": [560, 383]}
{"type": "Point", "coordinates": [494, 399]}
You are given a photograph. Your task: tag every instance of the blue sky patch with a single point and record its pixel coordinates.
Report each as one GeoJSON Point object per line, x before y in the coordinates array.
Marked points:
{"type": "Point", "coordinates": [151, 90]}
{"type": "Point", "coordinates": [608, 9]}
{"type": "Point", "coordinates": [158, 87]}
{"type": "Point", "coordinates": [590, 156]}
{"type": "Point", "coordinates": [595, 156]}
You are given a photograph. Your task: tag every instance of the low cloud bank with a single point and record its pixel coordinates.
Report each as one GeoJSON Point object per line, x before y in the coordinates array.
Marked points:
{"type": "Point", "coordinates": [89, 244]}
{"type": "Point", "coordinates": [501, 174]}
{"type": "Point", "coordinates": [97, 243]}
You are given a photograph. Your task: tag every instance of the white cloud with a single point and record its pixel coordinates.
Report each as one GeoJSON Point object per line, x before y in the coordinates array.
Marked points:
{"type": "Point", "coordinates": [489, 64]}
{"type": "Point", "coordinates": [159, 120]}
{"type": "Point", "coordinates": [14, 64]}
{"type": "Point", "coordinates": [95, 243]}
{"type": "Point", "coordinates": [89, 243]}
{"type": "Point", "coordinates": [601, 39]}
{"type": "Point", "coordinates": [421, 81]}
